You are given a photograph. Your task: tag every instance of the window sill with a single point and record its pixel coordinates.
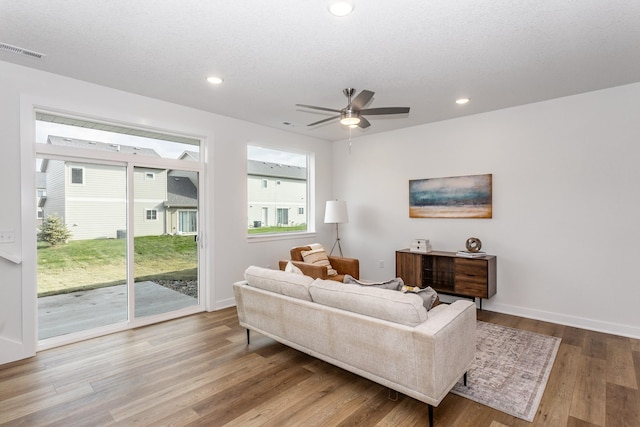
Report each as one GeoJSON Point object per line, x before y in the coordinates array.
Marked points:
{"type": "Point", "coordinates": [255, 238]}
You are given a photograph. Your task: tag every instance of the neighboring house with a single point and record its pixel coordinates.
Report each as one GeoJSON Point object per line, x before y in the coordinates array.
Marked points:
{"type": "Point", "coordinates": [277, 194]}
{"type": "Point", "coordinates": [41, 196]}
{"type": "Point", "coordinates": [181, 205]}
{"type": "Point", "coordinates": [91, 198]}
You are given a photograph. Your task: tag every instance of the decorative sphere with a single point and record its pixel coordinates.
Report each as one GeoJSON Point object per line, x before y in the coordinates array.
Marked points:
{"type": "Point", "coordinates": [473, 244]}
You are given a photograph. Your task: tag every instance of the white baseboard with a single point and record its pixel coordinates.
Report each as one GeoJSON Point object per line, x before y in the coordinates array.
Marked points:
{"type": "Point", "coordinates": [563, 319]}
{"type": "Point", "coordinates": [225, 303]}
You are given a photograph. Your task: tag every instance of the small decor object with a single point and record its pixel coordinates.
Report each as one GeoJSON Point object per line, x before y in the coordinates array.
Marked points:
{"type": "Point", "coordinates": [473, 244]}
{"type": "Point", "coordinates": [420, 245]}
{"type": "Point", "coordinates": [453, 197]}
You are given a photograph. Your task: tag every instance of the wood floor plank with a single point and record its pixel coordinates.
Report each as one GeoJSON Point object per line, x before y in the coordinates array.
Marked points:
{"type": "Point", "coordinates": [199, 371]}
{"type": "Point", "coordinates": [589, 397]}
{"type": "Point", "coordinates": [623, 408]}
{"type": "Point", "coordinates": [620, 368]}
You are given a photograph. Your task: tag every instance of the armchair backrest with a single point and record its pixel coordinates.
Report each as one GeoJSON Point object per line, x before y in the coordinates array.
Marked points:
{"type": "Point", "coordinates": [296, 253]}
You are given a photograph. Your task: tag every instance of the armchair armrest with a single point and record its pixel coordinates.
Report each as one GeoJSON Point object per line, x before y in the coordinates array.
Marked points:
{"type": "Point", "coordinates": [350, 266]}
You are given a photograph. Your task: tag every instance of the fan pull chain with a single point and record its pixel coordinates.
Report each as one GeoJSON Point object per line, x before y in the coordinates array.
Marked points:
{"type": "Point", "coordinates": [349, 140]}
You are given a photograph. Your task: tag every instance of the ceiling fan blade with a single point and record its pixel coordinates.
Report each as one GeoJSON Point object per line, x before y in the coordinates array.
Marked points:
{"type": "Point", "coordinates": [317, 108]}
{"type": "Point", "coordinates": [323, 120]}
{"type": "Point", "coordinates": [385, 110]}
{"type": "Point", "coordinates": [364, 123]}
{"type": "Point", "coordinates": [363, 98]}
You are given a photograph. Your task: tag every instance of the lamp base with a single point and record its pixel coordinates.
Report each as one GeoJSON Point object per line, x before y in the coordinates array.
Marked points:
{"type": "Point", "coordinates": [337, 242]}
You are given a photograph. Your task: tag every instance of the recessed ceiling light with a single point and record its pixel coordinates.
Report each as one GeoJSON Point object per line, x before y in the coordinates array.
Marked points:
{"type": "Point", "coordinates": [341, 8]}
{"type": "Point", "coordinates": [462, 101]}
{"type": "Point", "coordinates": [214, 80]}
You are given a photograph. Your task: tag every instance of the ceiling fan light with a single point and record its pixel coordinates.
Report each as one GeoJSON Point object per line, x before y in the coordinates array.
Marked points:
{"type": "Point", "coordinates": [349, 118]}
{"type": "Point", "coordinates": [341, 8]}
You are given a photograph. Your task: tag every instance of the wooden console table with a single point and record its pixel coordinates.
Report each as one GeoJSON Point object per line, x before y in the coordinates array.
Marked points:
{"type": "Point", "coordinates": [448, 273]}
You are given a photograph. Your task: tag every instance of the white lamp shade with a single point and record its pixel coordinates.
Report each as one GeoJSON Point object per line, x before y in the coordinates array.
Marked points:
{"type": "Point", "coordinates": [336, 212]}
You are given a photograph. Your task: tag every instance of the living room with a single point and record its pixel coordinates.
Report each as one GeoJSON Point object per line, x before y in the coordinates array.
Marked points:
{"type": "Point", "coordinates": [564, 196]}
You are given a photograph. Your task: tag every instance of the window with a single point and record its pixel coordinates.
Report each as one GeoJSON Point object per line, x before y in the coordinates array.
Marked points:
{"type": "Point", "coordinates": [149, 176]}
{"type": "Point", "coordinates": [40, 213]}
{"type": "Point", "coordinates": [77, 175]}
{"type": "Point", "coordinates": [282, 216]}
{"type": "Point", "coordinates": [279, 208]}
{"type": "Point", "coordinates": [187, 222]}
{"type": "Point", "coordinates": [151, 214]}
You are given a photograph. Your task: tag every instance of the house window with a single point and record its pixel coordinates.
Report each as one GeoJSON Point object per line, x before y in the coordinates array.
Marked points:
{"type": "Point", "coordinates": [289, 171]}
{"type": "Point", "coordinates": [187, 222]}
{"type": "Point", "coordinates": [40, 214]}
{"type": "Point", "coordinates": [77, 176]}
{"type": "Point", "coordinates": [149, 176]}
{"type": "Point", "coordinates": [151, 214]}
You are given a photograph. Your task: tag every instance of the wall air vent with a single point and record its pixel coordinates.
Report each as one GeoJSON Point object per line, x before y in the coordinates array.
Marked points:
{"type": "Point", "coordinates": [21, 51]}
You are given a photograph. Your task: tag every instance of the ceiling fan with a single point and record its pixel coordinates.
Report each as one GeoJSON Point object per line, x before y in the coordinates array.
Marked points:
{"type": "Point", "coordinates": [352, 114]}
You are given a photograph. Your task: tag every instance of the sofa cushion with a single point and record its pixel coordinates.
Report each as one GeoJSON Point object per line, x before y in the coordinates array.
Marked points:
{"type": "Point", "coordinates": [281, 282]}
{"type": "Point", "coordinates": [386, 304]}
{"type": "Point", "coordinates": [319, 257]}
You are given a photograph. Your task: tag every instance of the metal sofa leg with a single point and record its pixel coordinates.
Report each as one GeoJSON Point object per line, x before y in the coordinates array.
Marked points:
{"type": "Point", "coordinates": [465, 379]}
{"type": "Point", "coordinates": [430, 415]}
{"type": "Point", "coordinates": [249, 337]}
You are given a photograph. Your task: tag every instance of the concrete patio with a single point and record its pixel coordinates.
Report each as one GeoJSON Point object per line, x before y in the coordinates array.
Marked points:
{"type": "Point", "coordinates": [77, 311]}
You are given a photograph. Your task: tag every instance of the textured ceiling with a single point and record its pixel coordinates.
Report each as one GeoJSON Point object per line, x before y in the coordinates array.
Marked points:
{"type": "Point", "coordinates": [274, 54]}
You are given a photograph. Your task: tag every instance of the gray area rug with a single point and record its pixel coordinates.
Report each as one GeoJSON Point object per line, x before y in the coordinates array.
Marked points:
{"type": "Point", "coordinates": [511, 369]}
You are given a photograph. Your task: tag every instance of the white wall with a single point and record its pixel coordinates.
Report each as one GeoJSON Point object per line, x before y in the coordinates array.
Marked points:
{"type": "Point", "coordinates": [229, 252]}
{"type": "Point", "coordinates": [566, 198]}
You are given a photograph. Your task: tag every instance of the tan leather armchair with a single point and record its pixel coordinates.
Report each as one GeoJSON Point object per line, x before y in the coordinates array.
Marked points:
{"type": "Point", "coordinates": [342, 265]}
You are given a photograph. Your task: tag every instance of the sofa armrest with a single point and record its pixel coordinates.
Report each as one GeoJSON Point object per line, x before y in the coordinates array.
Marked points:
{"type": "Point", "coordinates": [308, 269]}
{"type": "Point", "coordinates": [446, 346]}
{"type": "Point", "coordinates": [350, 266]}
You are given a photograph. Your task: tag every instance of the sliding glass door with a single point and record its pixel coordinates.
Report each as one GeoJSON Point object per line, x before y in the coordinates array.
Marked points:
{"type": "Point", "coordinates": [118, 225]}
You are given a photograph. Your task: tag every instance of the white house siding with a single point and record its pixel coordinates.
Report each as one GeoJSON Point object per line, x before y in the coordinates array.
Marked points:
{"type": "Point", "coordinates": [96, 209]}
{"type": "Point", "coordinates": [54, 204]}
{"type": "Point", "coordinates": [149, 194]}
{"type": "Point", "coordinates": [290, 194]}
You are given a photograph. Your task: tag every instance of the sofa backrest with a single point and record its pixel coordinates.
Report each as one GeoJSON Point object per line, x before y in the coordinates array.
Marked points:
{"type": "Point", "coordinates": [281, 282]}
{"type": "Point", "coordinates": [404, 308]}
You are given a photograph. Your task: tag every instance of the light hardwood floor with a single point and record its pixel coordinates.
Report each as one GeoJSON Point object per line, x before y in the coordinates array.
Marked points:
{"type": "Point", "coordinates": [198, 371]}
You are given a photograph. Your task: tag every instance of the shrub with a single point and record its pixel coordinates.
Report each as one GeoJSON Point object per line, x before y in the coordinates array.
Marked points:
{"type": "Point", "coordinates": [53, 231]}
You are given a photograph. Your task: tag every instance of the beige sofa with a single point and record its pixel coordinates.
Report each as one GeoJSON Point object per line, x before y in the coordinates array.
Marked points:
{"type": "Point", "coordinates": [383, 335]}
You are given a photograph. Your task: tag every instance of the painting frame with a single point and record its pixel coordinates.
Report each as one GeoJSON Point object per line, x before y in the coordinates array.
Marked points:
{"type": "Point", "coordinates": [469, 196]}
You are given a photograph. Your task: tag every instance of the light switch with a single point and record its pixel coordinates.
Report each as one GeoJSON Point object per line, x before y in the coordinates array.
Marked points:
{"type": "Point", "coordinates": [7, 236]}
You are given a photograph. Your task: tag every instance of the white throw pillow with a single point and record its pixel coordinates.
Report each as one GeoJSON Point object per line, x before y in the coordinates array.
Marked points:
{"type": "Point", "coordinates": [319, 257]}
{"type": "Point", "coordinates": [290, 268]}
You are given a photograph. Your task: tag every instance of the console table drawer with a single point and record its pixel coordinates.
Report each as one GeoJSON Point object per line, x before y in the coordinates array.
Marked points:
{"type": "Point", "coordinates": [472, 268]}
{"type": "Point", "coordinates": [467, 285]}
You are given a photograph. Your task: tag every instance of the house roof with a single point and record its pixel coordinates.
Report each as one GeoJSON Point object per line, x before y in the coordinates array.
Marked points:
{"type": "Point", "coordinates": [103, 146]}
{"type": "Point", "coordinates": [181, 192]}
{"type": "Point", "coordinates": [275, 170]}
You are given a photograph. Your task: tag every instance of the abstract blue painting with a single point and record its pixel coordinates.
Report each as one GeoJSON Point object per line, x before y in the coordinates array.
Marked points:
{"type": "Point", "coordinates": [453, 197]}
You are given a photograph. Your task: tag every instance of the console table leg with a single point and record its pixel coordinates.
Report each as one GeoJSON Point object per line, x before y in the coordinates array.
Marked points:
{"type": "Point", "coordinates": [464, 379]}
{"type": "Point", "coordinates": [430, 415]}
{"type": "Point", "coordinates": [248, 337]}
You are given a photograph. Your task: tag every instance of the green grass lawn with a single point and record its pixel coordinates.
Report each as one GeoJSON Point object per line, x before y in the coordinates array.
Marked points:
{"type": "Point", "coordinates": [260, 230]}
{"type": "Point", "coordinates": [86, 264]}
